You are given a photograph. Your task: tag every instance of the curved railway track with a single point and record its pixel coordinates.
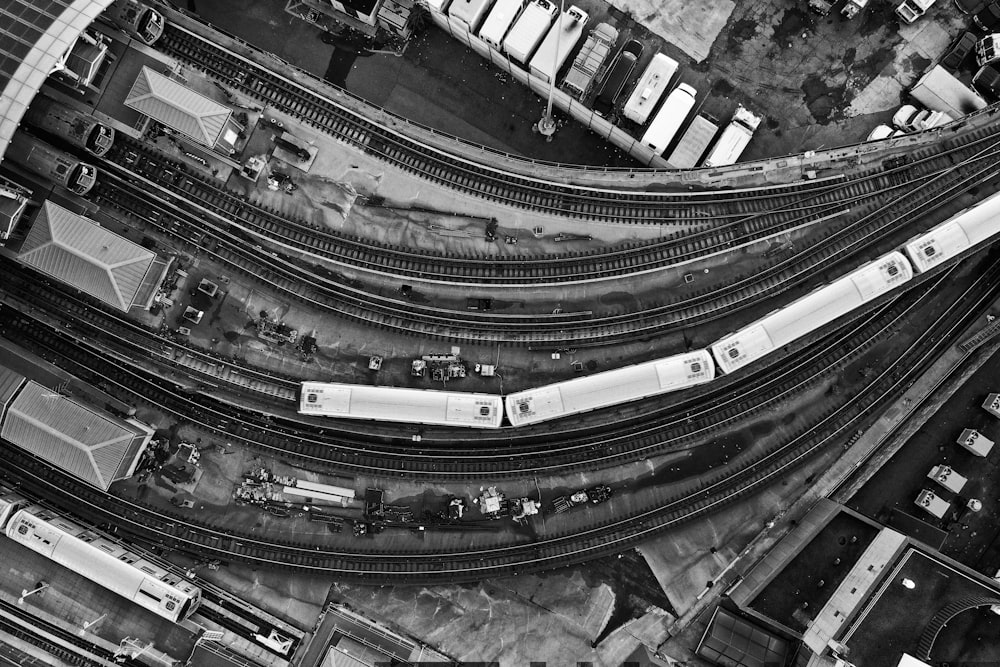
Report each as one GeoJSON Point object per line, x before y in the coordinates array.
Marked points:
{"type": "Point", "coordinates": [660, 510]}
{"type": "Point", "coordinates": [721, 226]}
{"type": "Point", "coordinates": [367, 449]}
{"type": "Point", "coordinates": [329, 293]}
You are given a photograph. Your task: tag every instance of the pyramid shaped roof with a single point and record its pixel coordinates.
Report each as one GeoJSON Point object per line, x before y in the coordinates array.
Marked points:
{"type": "Point", "coordinates": [78, 251]}
{"type": "Point", "coordinates": [178, 107]}
{"type": "Point", "coordinates": [70, 436]}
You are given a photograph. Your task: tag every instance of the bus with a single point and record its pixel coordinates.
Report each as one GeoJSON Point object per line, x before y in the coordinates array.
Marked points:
{"type": "Point", "coordinates": [652, 84]}
{"type": "Point", "coordinates": [555, 48]}
{"type": "Point", "coordinates": [670, 118]}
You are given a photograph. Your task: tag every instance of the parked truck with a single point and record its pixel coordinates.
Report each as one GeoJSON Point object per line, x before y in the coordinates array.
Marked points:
{"type": "Point", "coordinates": [587, 64]}
{"type": "Point", "coordinates": [529, 29]}
{"type": "Point", "coordinates": [910, 10]}
{"type": "Point", "coordinates": [693, 143]}
{"type": "Point", "coordinates": [939, 90]}
{"type": "Point", "coordinates": [734, 139]}
{"type": "Point", "coordinates": [560, 40]}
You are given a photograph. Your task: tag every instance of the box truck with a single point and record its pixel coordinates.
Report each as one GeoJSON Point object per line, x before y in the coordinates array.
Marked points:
{"type": "Point", "coordinates": [693, 143]}
{"type": "Point", "coordinates": [588, 62]}
{"type": "Point", "coordinates": [939, 90]}
{"type": "Point", "coordinates": [529, 29]}
{"type": "Point", "coordinates": [560, 40]}
{"type": "Point", "coordinates": [734, 139]}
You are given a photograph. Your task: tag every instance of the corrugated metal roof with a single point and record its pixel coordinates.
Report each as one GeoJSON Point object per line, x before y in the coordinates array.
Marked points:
{"type": "Point", "coordinates": [731, 640]}
{"type": "Point", "coordinates": [34, 35]}
{"type": "Point", "coordinates": [80, 252]}
{"type": "Point", "coordinates": [177, 106]}
{"type": "Point", "coordinates": [10, 382]}
{"type": "Point", "coordinates": [69, 435]}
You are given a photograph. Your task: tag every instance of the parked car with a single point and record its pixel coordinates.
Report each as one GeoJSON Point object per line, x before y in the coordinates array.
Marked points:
{"type": "Point", "coordinates": [883, 132]}
{"type": "Point", "coordinates": [987, 81]}
{"type": "Point", "coordinates": [959, 51]}
{"type": "Point", "coordinates": [911, 119]}
{"type": "Point", "coordinates": [988, 17]}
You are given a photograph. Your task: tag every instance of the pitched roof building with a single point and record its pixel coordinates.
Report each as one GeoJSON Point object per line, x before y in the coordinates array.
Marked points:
{"type": "Point", "coordinates": [91, 445]}
{"type": "Point", "coordinates": [185, 110]}
{"type": "Point", "coordinates": [78, 251]}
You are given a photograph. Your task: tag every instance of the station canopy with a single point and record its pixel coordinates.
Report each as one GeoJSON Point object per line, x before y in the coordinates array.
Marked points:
{"type": "Point", "coordinates": [731, 640]}
{"type": "Point", "coordinates": [34, 36]}
{"type": "Point", "coordinates": [78, 251]}
{"type": "Point", "coordinates": [92, 446]}
{"type": "Point", "coordinates": [178, 107]}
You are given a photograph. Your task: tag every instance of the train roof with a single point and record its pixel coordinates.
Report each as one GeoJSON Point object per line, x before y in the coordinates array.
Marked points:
{"type": "Point", "coordinates": [93, 446]}
{"type": "Point", "coordinates": [33, 37]}
{"type": "Point", "coordinates": [394, 404]}
{"type": "Point", "coordinates": [954, 236]}
{"type": "Point", "coordinates": [812, 312]}
{"type": "Point", "coordinates": [98, 559]}
{"type": "Point", "coordinates": [610, 388]}
{"type": "Point", "coordinates": [78, 251]}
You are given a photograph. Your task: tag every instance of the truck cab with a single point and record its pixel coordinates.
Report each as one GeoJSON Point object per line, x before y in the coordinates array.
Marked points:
{"type": "Point", "coordinates": [910, 10]}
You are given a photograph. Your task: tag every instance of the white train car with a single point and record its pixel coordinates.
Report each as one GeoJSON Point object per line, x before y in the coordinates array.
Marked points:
{"type": "Point", "coordinates": [956, 235]}
{"type": "Point", "coordinates": [104, 562]}
{"type": "Point", "coordinates": [603, 390]}
{"type": "Point", "coordinates": [811, 312]}
{"type": "Point", "coordinates": [395, 404]}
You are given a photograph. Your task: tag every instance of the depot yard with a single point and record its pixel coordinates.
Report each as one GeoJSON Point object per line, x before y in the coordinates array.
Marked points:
{"type": "Point", "coordinates": [817, 81]}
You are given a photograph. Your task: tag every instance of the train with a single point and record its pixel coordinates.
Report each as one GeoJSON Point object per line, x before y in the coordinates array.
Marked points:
{"type": "Point", "coordinates": [49, 162]}
{"type": "Point", "coordinates": [137, 19]}
{"type": "Point", "coordinates": [99, 559]}
{"type": "Point", "coordinates": [77, 127]}
{"type": "Point", "coordinates": [968, 229]}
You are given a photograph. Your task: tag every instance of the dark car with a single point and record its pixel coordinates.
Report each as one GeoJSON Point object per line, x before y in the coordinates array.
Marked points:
{"type": "Point", "coordinates": [970, 6]}
{"type": "Point", "coordinates": [988, 17]}
{"type": "Point", "coordinates": [959, 51]}
{"type": "Point", "coordinates": [987, 81]}
{"type": "Point", "coordinates": [618, 75]}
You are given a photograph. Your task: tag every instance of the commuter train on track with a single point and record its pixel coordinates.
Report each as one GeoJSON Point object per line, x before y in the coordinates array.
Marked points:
{"type": "Point", "coordinates": [49, 162]}
{"type": "Point", "coordinates": [76, 127]}
{"type": "Point", "coordinates": [972, 227]}
{"type": "Point", "coordinates": [103, 561]}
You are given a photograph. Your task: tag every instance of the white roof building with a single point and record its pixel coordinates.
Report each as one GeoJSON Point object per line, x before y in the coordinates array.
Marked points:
{"type": "Point", "coordinates": [187, 111]}
{"type": "Point", "coordinates": [81, 253]}
{"type": "Point", "coordinates": [90, 445]}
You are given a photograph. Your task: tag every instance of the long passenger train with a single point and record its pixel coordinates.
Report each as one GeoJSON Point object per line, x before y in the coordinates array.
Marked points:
{"type": "Point", "coordinates": [972, 227]}
{"type": "Point", "coordinates": [99, 559]}
{"type": "Point", "coordinates": [49, 162]}
{"type": "Point", "coordinates": [77, 127]}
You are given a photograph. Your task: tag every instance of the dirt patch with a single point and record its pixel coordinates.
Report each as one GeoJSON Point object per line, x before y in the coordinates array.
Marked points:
{"type": "Point", "coordinates": [722, 87]}
{"type": "Point", "coordinates": [793, 23]}
{"type": "Point", "coordinates": [742, 30]}
{"type": "Point", "coordinates": [824, 101]}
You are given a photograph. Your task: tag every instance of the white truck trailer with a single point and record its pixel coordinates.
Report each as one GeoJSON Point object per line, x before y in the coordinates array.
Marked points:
{"type": "Point", "coordinates": [939, 90]}
{"type": "Point", "coordinates": [734, 139]}
{"type": "Point", "coordinates": [469, 13]}
{"type": "Point", "coordinates": [529, 29]}
{"type": "Point", "coordinates": [669, 118]}
{"type": "Point", "coordinates": [588, 62]}
{"type": "Point", "coordinates": [499, 21]}
{"type": "Point", "coordinates": [655, 81]}
{"type": "Point", "coordinates": [693, 144]}
{"type": "Point", "coordinates": [558, 42]}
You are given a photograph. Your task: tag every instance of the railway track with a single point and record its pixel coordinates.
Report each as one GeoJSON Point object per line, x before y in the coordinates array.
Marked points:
{"type": "Point", "coordinates": [660, 510]}
{"type": "Point", "coordinates": [716, 231]}
{"type": "Point", "coordinates": [333, 294]}
{"type": "Point", "coordinates": [651, 430]}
